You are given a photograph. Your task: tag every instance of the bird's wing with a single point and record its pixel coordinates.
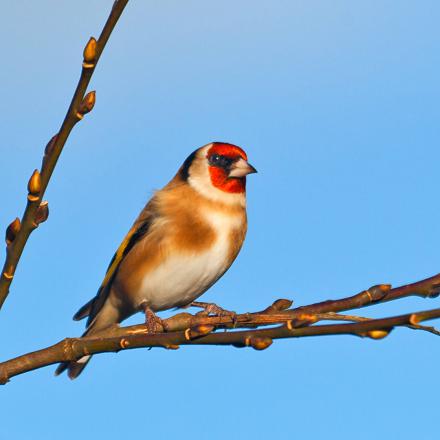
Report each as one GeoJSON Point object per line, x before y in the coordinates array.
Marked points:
{"type": "Point", "coordinates": [136, 233]}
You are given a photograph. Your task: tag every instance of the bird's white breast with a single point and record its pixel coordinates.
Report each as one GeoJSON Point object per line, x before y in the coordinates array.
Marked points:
{"type": "Point", "coordinates": [184, 276]}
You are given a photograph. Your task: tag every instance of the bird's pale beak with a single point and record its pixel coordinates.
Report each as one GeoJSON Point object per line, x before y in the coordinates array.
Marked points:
{"type": "Point", "coordinates": [241, 168]}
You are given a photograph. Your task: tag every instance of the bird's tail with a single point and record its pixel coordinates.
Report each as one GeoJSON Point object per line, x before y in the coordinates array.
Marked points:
{"type": "Point", "coordinates": [106, 317]}
{"type": "Point", "coordinates": [74, 368]}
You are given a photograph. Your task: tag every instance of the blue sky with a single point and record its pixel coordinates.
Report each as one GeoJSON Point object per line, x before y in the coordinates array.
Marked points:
{"type": "Point", "coordinates": [336, 104]}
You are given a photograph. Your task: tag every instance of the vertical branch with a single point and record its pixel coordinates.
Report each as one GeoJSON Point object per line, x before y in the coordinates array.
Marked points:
{"type": "Point", "coordinates": [36, 211]}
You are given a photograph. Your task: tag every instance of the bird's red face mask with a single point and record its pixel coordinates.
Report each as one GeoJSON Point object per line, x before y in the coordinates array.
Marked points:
{"type": "Point", "coordinates": [228, 167]}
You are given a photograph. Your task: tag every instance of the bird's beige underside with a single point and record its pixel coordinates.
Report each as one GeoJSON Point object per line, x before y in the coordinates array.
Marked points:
{"type": "Point", "coordinates": [190, 244]}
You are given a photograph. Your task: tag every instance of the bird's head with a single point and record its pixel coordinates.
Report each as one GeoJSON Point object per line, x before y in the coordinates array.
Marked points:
{"type": "Point", "coordinates": [218, 171]}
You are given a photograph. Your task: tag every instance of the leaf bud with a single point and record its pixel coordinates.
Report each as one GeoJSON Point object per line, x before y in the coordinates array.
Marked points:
{"type": "Point", "coordinates": [89, 53]}
{"type": "Point", "coordinates": [87, 104]}
{"type": "Point", "coordinates": [34, 186]}
{"type": "Point", "coordinates": [42, 213]}
{"type": "Point", "coordinates": [258, 343]}
{"type": "Point", "coordinates": [12, 231]}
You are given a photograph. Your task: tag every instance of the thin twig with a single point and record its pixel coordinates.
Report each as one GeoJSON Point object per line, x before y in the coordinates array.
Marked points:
{"type": "Point", "coordinates": [427, 288]}
{"type": "Point", "coordinates": [331, 316]}
{"type": "Point", "coordinates": [425, 328]}
{"type": "Point", "coordinates": [353, 318]}
{"type": "Point", "coordinates": [79, 105]}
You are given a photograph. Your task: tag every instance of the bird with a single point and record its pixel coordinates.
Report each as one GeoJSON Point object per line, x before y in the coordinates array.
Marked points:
{"type": "Point", "coordinates": [185, 239]}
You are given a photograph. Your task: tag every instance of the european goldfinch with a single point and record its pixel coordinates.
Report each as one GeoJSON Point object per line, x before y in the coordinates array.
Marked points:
{"type": "Point", "coordinates": [183, 241]}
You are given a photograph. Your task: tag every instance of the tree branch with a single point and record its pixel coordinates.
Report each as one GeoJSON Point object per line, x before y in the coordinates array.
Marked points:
{"type": "Point", "coordinates": [187, 329]}
{"type": "Point", "coordinates": [427, 288]}
{"type": "Point", "coordinates": [36, 212]}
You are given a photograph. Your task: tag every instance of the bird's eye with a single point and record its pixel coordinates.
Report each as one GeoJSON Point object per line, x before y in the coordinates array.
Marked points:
{"type": "Point", "coordinates": [217, 160]}
{"type": "Point", "coordinates": [214, 159]}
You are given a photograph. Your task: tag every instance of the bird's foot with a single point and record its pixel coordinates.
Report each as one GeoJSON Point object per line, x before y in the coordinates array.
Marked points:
{"type": "Point", "coordinates": [214, 309]}
{"type": "Point", "coordinates": [152, 321]}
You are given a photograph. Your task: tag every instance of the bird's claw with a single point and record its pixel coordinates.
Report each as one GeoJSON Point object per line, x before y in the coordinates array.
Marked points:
{"type": "Point", "coordinates": [214, 309]}
{"type": "Point", "coordinates": [153, 322]}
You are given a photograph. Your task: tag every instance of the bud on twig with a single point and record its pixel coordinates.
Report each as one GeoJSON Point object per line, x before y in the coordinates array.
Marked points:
{"type": "Point", "coordinates": [259, 343]}
{"type": "Point", "coordinates": [282, 304]}
{"type": "Point", "coordinates": [42, 213]}
{"type": "Point", "coordinates": [303, 320]}
{"type": "Point", "coordinates": [279, 305]}
{"type": "Point", "coordinates": [34, 186]}
{"type": "Point", "coordinates": [378, 292]}
{"type": "Point", "coordinates": [377, 334]}
{"type": "Point", "coordinates": [86, 105]}
{"type": "Point", "coordinates": [90, 54]}
{"type": "Point", "coordinates": [198, 331]}
{"type": "Point", "coordinates": [171, 346]}
{"type": "Point", "coordinates": [124, 343]}
{"type": "Point", "coordinates": [12, 231]}
{"type": "Point", "coordinates": [49, 147]}
{"type": "Point", "coordinates": [414, 319]}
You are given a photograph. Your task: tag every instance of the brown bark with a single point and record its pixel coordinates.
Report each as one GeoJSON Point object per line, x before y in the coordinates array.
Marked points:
{"type": "Point", "coordinates": [199, 329]}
